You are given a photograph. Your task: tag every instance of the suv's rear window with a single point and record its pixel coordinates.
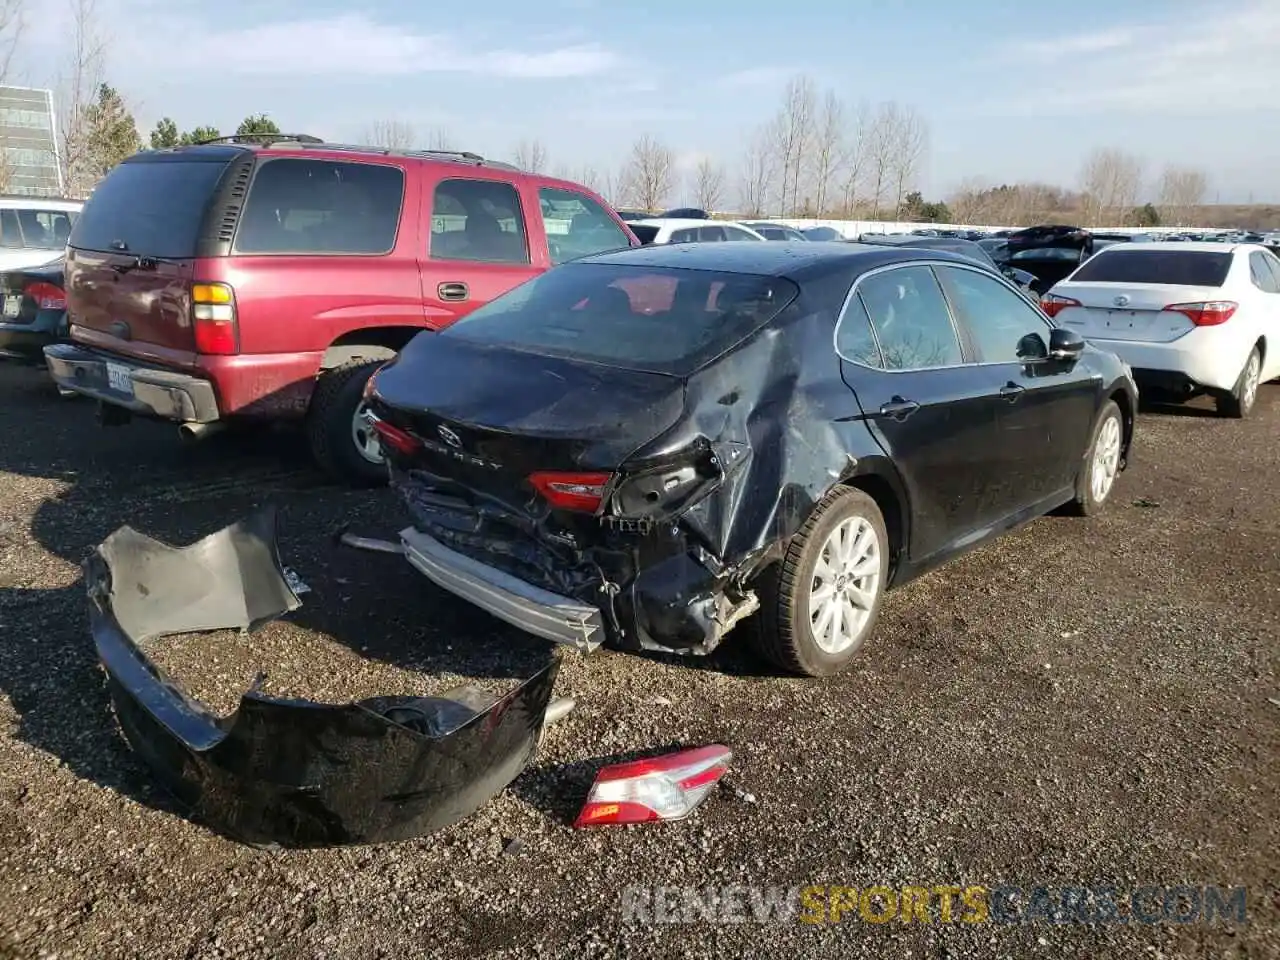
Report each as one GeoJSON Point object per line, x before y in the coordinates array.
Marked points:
{"type": "Point", "coordinates": [150, 209]}
{"type": "Point", "coordinates": [305, 206]}
{"type": "Point", "coordinates": [1186, 268]}
{"type": "Point", "coordinates": [663, 320]}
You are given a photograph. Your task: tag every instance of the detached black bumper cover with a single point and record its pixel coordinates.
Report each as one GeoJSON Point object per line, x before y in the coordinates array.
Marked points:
{"type": "Point", "coordinates": [292, 773]}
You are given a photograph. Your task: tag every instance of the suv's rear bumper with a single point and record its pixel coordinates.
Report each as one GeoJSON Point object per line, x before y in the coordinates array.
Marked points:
{"type": "Point", "coordinates": [155, 393]}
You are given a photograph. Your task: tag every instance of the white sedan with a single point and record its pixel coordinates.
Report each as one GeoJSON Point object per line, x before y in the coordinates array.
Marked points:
{"type": "Point", "coordinates": [1190, 319]}
{"type": "Point", "coordinates": [679, 230]}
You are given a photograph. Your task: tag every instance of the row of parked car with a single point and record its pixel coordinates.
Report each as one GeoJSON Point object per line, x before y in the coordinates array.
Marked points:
{"type": "Point", "coordinates": [615, 431]}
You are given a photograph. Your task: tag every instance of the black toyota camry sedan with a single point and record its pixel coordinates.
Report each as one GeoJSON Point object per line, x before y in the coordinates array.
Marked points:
{"type": "Point", "coordinates": [648, 448]}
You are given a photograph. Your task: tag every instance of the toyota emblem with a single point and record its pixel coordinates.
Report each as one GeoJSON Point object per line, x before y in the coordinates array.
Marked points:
{"type": "Point", "coordinates": [1122, 301]}
{"type": "Point", "coordinates": [449, 437]}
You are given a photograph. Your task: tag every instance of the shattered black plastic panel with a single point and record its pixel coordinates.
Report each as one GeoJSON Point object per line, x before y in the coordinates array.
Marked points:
{"type": "Point", "coordinates": [291, 773]}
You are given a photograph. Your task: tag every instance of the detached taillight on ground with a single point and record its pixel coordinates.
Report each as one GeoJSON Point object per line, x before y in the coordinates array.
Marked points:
{"type": "Point", "coordinates": [48, 296]}
{"type": "Point", "coordinates": [668, 787]}
{"type": "Point", "coordinates": [1207, 314]}
{"type": "Point", "coordinates": [1052, 304]}
{"type": "Point", "coordinates": [213, 316]}
{"type": "Point", "coordinates": [571, 491]}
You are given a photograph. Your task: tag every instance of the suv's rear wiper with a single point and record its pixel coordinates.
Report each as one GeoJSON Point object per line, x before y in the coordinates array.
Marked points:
{"type": "Point", "coordinates": [143, 263]}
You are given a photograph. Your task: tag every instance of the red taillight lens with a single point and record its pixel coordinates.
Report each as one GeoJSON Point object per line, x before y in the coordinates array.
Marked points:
{"type": "Point", "coordinates": [669, 787]}
{"type": "Point", "coordinates": [394, 437]}
{"type": "Point", "coordinates": [48, 296]}
{"type": "Point", "coordinates": [213, 317]}
{"type": "Point", "coordinates": [1052, 304]}
{"type": "Point", "coordinates": [1207, 314]}
{"type": "Point", "coordinates": [572, 491]}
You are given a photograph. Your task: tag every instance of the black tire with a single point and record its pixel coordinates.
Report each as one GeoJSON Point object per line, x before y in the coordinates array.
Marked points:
{"type": "Point", "coordinates": [1239, 403]}
{"type": "Point", "coordinates": [783, 633]}
{"type": "Point", "coordinates": [1086, 503]}
{"type": "Point", "coordinates": [337, 397]}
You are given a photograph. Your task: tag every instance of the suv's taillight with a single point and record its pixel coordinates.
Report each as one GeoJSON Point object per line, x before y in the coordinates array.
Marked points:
{"type": "Point", "coordinates": [48, 296]}
{"type": "Point", "coordinates": [213, 317]}
{"type": "Point", "coordinates": [1207, 314]}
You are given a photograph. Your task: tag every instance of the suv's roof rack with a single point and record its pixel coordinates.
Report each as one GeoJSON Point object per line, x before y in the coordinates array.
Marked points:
{"type": "Point", "coordinates": [266, 139]}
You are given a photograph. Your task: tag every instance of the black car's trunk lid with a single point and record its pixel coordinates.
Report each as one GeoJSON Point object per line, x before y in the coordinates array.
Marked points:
{"type": "Point", "coordinates": [489, 418]}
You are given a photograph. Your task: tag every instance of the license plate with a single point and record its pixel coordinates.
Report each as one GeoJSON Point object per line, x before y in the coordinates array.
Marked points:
{"type": "Point", "coordinates": [118, 379]}
{"type": "Point", "coordinates": [13, 305]}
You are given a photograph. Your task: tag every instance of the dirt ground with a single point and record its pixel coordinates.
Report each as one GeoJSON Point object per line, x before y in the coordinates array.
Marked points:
{"type": "Point", "coordinates": [1085, 702]}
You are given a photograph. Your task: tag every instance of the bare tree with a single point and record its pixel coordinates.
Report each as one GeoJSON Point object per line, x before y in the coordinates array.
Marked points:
{"type": "Point", "coordinates": [759, 171]}
{"type": "Point", "coordinates": [911, 141]}
{"type": "Point", "coordinates": [590, 178]}
{"type": "Point", "coordinates": [826, 156]}
{"type": "Point", "coordinates": [708, 184]}
{"type": "Point", "coordinates": [391, 135]}
{"type": "Point", "coordinates": [650, 173]}
{"type": "Point", "coordinates": [883, 137]}
{"type": "Point", "coordinates": [1111, 181]}
{"type": "Point", "coordinates": [795, 127]}
{"type": "Point", "coordinates": [855, 148]}
{"type": "Point", "coordinates": [531, 155]}
{"type": "Point", "coordinates": [439, 138]}
{"type": "Point", "coordinates": [78, 90]}
{"type": "Point", "coordinates": [1181, 190]}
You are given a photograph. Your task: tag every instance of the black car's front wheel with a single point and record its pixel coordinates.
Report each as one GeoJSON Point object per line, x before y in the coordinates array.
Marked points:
{"type": "Point", "coordinates": [819, 605]}
{"type": "Point", "coordinates": [1102, 462]}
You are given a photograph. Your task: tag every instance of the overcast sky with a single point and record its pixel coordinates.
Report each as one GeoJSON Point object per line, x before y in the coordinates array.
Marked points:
{"type": "Point", "coordinates": [1010, 90]}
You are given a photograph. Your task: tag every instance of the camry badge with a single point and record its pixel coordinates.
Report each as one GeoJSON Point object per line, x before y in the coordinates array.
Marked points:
{"type": "Point", "coordinates": [449, 437]}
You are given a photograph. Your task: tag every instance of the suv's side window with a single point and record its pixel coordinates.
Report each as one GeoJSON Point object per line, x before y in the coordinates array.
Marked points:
{"type": "Point", "coordinates": [480, 221]}
{"type": "Point", "coordinates": [304, 206]}
{"type": "Point", "coordinates": [577, 226]}
{"type": "Point", "coordinates": [1261, 274]}
{"type": "Point", "coordinates": [911, 319]}
{"type": "Point", "coordinates": [996, 317]}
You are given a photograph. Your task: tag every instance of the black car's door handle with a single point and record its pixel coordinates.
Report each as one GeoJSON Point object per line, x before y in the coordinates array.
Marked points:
{"type": "Point", "coordinates": [899, 408]}
{"type": "Point", "coordinates": [453, 291]}
{"type": "Point", "coordinates": [1011, 392]}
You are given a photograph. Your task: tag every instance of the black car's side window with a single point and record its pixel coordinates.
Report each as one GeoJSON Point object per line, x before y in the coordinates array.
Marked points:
{"type": "Point", "coordinates": [855, 340]}
{"type": "Point", "coordinates": [997, 318]}
{"type": "Point", "coordinates": [911, 319]}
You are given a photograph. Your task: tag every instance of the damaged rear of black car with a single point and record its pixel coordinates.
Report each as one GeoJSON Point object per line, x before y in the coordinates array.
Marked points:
{"type": "Point", "coordinates": [644, 448]}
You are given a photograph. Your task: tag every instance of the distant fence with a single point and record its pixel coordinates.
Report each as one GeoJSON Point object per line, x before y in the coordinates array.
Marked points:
{"type": "Point", "coordinates": [851, 229]}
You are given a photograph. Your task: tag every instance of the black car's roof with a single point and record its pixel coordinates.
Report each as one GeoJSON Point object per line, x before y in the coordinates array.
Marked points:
{"type": "Point", "coordinates": [791, 259]}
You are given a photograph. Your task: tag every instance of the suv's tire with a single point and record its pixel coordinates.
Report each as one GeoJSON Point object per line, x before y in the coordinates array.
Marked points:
{"type": "Point", "coordinates": [332, 429]}
{"type": "Point", "coordinates": [1238, 404]}
{"type": "Point", "coordinates": [1101, 466]}
{"type": "Point", "coordinates": [791, 611]}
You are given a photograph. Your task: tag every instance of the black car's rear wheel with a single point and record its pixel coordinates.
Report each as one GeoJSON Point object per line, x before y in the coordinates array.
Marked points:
{"type": "Point", "coordinates": [819, 605]}
{"type": "Point", "coordinates": [342, 442]}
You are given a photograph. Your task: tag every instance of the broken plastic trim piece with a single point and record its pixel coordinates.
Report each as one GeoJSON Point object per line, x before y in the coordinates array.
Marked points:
{"type": "Point", "coordinates": [668, 787]}
{"type": "Point", "coordinates": [291, 773]}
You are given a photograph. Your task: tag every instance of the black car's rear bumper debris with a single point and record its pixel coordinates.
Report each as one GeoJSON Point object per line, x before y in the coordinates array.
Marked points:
{"type": "Point", "coordinates": [292, 773]}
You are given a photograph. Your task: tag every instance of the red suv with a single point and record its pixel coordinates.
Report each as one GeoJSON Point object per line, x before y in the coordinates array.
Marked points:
{"type": "Point", "coordinates": [235, 281]}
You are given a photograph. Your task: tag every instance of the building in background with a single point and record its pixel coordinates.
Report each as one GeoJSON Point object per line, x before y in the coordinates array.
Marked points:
{"type": "Point", "coordinates": [29, 162]}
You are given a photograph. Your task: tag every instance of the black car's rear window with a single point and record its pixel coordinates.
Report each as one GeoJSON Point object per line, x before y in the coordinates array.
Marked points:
{"type": "Point", "coordinates": [149, 209]}
{"type": "Point", "coordinates": [1188, 268]}
{"type": "Point", "coordinates": [656, 319]}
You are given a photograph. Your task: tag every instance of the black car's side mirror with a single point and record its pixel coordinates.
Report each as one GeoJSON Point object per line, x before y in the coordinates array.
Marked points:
{"type": "Point", "coordinates": [1032, 349]}
{"type": "Point", "coordinates": [1065, 344]}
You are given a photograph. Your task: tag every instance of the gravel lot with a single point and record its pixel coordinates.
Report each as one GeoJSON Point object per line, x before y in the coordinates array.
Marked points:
{"type": "Point", "coordinates": [1088, 701]}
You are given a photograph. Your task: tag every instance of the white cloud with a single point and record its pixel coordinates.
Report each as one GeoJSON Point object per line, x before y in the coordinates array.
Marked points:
{"type": "Point", "coordinates": [754, 78]}
{"type": "Point", "coordinates": [1220, 59]}
{"type": "Point", "coordinates": [350, 45]}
